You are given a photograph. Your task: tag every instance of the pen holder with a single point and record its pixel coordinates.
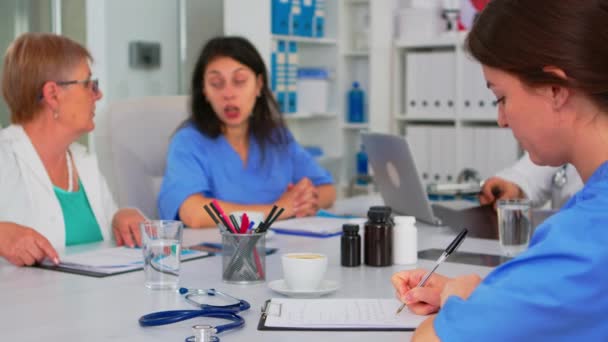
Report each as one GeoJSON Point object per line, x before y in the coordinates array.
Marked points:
{"type": "Point", "coordinates": [243, 258]}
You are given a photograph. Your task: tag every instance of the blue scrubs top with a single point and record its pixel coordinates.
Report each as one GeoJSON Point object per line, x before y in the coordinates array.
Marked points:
{"type": "Point", "coordinates": [197, 163]}
{"type": "Point", "coordinates": [555, 291]}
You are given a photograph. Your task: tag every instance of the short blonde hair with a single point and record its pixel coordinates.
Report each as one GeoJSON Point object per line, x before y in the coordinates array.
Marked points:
{"type": "Point", "coordinates": [30, 61]}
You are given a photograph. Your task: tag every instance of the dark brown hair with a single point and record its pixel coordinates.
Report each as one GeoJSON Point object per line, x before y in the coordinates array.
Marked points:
{"type": "Point", "coordinates": [266, 123]}
{"type": "Point", "coordinates": [524, 36]}
{"type": "Point", "coordinates": [30, 61]}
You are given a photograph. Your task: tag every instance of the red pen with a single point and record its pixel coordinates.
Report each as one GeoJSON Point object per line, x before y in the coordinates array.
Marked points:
{"type": "Point", "coordinates": [221, 211]}
{"type": "Point", "coordinates": [244, 223]}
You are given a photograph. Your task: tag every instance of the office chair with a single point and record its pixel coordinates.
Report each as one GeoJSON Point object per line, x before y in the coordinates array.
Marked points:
{"type": "Point", "coordinates": [132, 147]}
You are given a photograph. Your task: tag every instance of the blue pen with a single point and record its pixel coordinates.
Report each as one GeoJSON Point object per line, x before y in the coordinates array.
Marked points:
{"type": "Point", "coordinates": [251, 224]}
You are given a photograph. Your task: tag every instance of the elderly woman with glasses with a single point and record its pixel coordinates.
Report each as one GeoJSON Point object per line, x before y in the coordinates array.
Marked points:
{"type": "Point", "coordinates": [53, 194]}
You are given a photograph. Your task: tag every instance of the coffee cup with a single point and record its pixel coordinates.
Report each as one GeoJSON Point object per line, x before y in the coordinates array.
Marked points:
{"type": "Point", "coordinates": [304, 271]}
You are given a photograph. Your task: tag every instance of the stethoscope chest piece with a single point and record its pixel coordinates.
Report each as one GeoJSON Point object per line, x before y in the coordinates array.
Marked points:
{"type": "Point", "coordinates": [203, 333]}
{"type": "Point", "coordinates": [559, 178]}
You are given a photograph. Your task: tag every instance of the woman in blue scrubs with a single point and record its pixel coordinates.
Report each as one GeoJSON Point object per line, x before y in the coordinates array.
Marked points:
{"type": "Point", "coordinates": [545, 60]}
{"type": "Point", "coordinates": [235, 146]}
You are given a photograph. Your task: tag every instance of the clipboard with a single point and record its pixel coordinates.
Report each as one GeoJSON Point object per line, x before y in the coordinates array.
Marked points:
{"type": "Point", "coordinates": [280, 307]}
{"type": "Point", "coordinates": [91, 272]}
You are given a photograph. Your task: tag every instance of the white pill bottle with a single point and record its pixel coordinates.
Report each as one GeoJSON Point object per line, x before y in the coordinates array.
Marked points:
{"type": "Point", "coordinates": [405, 241]}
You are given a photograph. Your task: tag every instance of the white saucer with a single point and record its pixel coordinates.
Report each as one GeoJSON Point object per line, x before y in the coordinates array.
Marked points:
{"type": "Point", "coordinates": [327, 287]}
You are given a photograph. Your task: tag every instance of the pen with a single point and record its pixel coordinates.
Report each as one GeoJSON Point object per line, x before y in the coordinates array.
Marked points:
{"type": "Point", "coordinates": [244, 223]}
{"type": "Point", "coordinates": [211, 215]}
{"type": "Point", "coordinates": [215, 205]}
{"type": "Point", "coordinates": [264, 224]}
{"type": "Point", "coordinates": [446, 253]}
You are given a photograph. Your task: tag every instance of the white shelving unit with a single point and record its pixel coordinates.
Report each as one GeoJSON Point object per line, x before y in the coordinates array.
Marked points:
{"type": "Point", "coordinates": [355, 26]}
{"type": "Point", "coordinates": [441, 104]}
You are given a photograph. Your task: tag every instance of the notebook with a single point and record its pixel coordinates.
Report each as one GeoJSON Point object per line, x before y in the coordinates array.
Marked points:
{"type": "Point", "coordinates": [398, 181]}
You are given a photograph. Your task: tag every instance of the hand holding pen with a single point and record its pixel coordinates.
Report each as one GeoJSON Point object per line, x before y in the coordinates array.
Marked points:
{"type": "Point", "coordinates": [425, 296]}
{"type": "Point", "coordinates": [420, 300]}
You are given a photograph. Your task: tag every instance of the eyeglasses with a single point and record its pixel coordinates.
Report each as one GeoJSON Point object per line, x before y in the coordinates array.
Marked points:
{"type": "Point", "coordinates": [88, 83]}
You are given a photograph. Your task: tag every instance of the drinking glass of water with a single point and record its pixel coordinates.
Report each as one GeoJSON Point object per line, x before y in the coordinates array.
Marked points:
{"type": "Point", "coordinates": [162, 242]}
{"type": "Point", "coordinates": [514, 225]}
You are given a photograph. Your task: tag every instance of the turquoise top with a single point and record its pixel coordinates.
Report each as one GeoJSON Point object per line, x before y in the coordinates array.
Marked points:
{"type": "Point", "coordinates": [80, 223]}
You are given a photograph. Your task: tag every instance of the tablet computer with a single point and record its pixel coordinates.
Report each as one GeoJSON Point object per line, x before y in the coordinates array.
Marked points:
{"type": "Point", "coordinates": [469, 258]}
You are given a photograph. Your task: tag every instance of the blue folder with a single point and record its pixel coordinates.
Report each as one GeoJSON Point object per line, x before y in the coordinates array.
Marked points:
{"type": "Point", "coordinates": [321, 213]}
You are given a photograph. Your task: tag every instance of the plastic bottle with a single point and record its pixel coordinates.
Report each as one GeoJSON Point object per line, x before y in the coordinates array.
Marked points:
{"type": "Point", "coordinates": [405, 241]}
{"type": "Point", "coordinates": [379, 237]}
{"type": "Point", "coordinates": [362, 165]}
{"type": "Point", "coordinates": [350, 244]}
{"type": "Point", "coordinates": [356, 99]}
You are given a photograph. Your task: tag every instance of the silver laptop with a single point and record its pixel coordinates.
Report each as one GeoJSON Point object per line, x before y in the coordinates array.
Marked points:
{"type": "Point", "coordinates": [399, 183]}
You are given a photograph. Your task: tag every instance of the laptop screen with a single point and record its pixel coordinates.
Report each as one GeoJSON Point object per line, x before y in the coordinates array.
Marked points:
{"type": "Point", "coordinates": [396, 176]}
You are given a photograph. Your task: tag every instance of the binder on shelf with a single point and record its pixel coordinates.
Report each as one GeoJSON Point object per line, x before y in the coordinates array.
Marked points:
{"type": "Point", "coordinates": [318, 25]}
{"type": "Point", "coordinates": [448, 153]}
{"type": "Point", "coordinates": [418, 139]}
{"type": "Point", "coordinates": [425, 83]}
{"type": "Point", "coordinates": [436, 155]}
{"type": "Point", "coordinates": [273, 66]}
{"type": "Point", "coordinates": [483, 148]}
{"type": "Point", "coordinates": [295, 18]}
{"type": "Point", "coordinates": [280, 13]}
{"type": "Point", "coordinates": [467, 149]}
{"type": "Point", "coordinates": [292, 77]}
{"type": "Point", "coordinates": [306, 18]}
{"type": "Point", "coordinates": [444, 79]}
{"type": "Point", "coordinates": [477, 98]}
{"type": "Point", "coordinates": [412, 86]}
{"type": "Point", "coordinates": [281, 76]}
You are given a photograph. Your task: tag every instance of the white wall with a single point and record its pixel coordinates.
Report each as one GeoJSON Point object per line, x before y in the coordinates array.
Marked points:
{"type": "Point", "coordinates": [237, 22]}
{"type": "Point", "coordinates": [111, 25]}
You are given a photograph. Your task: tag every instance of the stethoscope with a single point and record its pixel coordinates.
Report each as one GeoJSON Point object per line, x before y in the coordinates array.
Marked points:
{"type": "Point", "coordinates": [203, 333]}
{"type": "Point", "coordinates": [559, 181]}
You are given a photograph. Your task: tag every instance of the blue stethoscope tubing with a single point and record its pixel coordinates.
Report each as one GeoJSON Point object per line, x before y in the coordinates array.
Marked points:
{"type": "Point", "coordinates": [228, 312]}
{"type": "Point", "coordinates": [174, 316]}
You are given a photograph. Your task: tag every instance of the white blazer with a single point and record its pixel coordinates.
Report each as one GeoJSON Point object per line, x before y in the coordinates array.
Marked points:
{"type": "Point", "coordinates": [537, 182]}
{"type": "Point", "coordinates": [26, 192]}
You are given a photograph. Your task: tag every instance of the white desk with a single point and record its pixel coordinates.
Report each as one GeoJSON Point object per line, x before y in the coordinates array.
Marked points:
{"type": "Point", "coordinates": [42, 305]}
